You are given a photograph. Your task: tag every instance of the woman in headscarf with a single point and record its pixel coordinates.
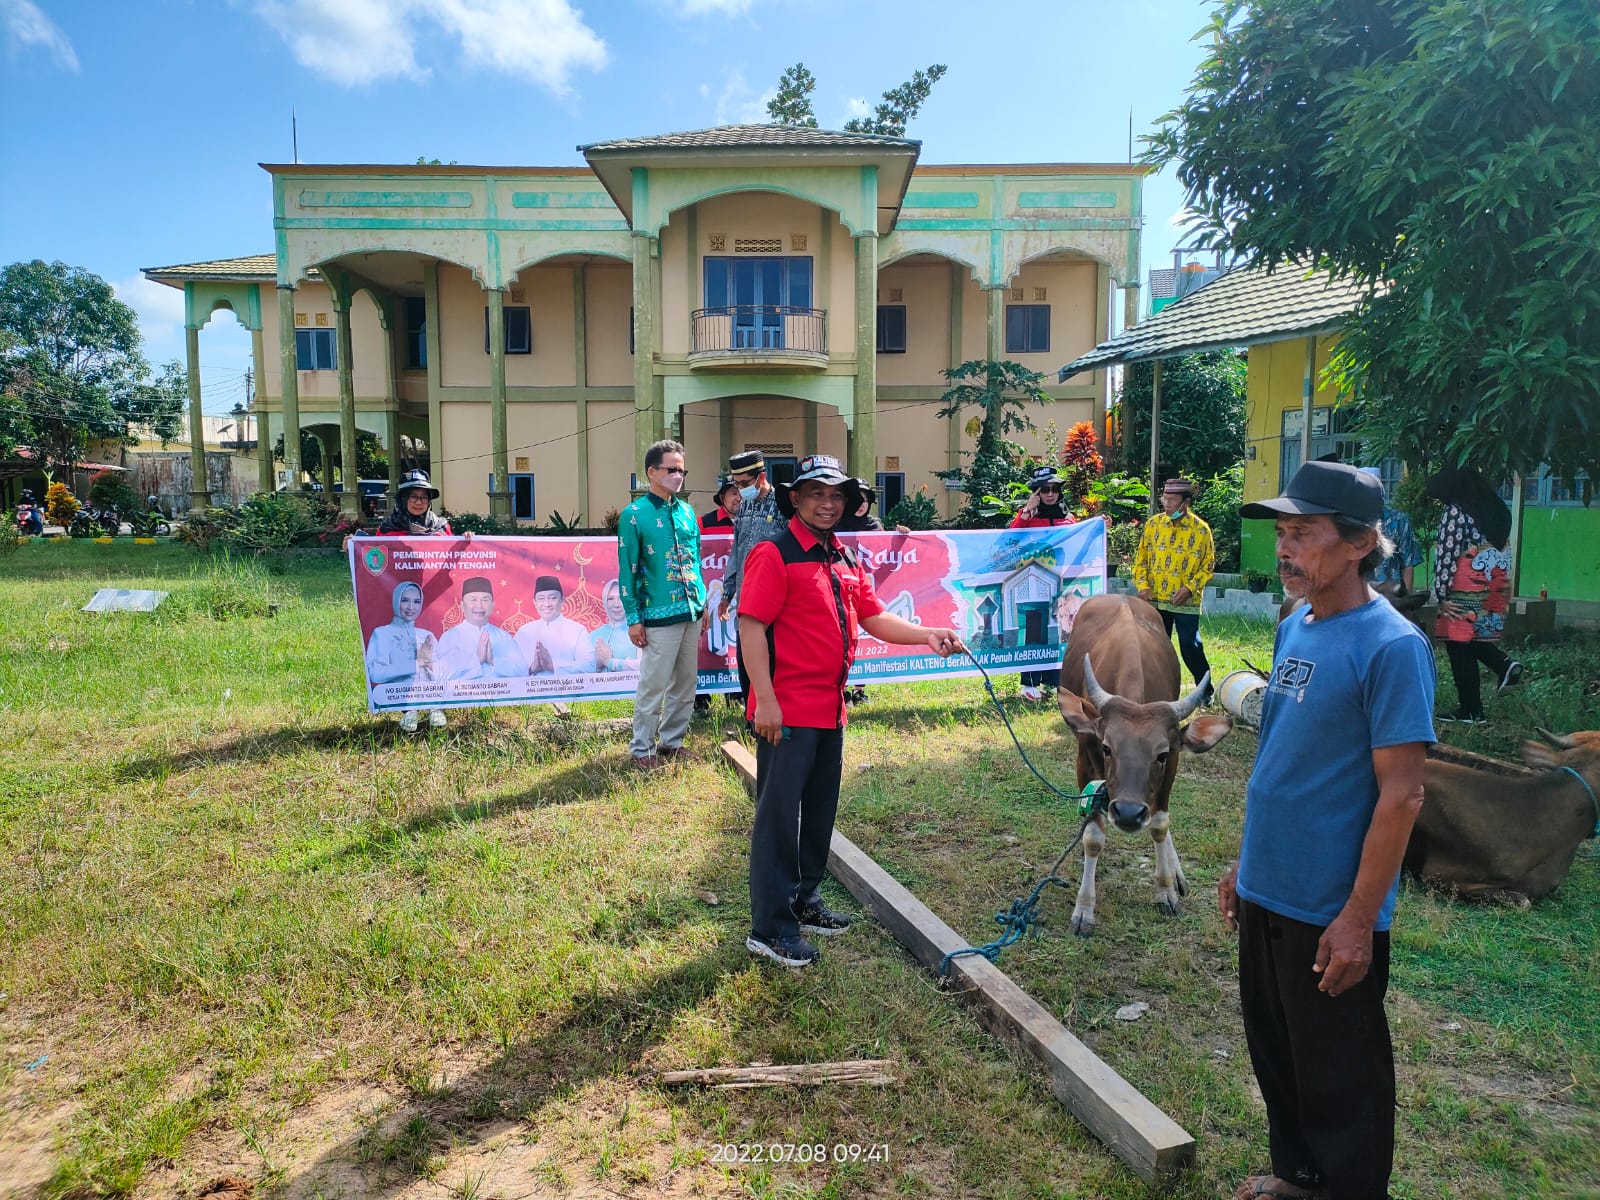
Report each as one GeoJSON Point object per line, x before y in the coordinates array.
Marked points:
{"type": "Point", "coordinates": [413, 516]}
{"type": "Point", "coordinates": [1047, 503]}
{"type": "Point", "coordinates": [400, 652]}
{"type": "Point", "coordinates": [1472, 585]}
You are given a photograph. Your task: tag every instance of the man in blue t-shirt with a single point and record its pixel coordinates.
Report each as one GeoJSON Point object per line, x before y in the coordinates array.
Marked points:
{"type": "Point", "coordinates": [1346, 722]}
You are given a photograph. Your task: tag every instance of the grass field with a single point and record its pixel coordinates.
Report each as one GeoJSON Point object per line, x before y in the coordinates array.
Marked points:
{"type": "Point", "coordinates": [250, 930]}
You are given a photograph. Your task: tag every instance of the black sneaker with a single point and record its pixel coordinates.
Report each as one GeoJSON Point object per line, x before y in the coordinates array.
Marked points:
{"type": "Point", "coordinates": [821, 921]}
{"type": "Point", "coordinates": [1512, 676]}
{"type": "Point", "coordinates": [790, 951]}
{"type": "Point", "coordinates": [1459, 718]}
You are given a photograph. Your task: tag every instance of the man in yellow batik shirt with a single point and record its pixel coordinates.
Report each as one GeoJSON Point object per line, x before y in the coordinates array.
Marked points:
{"type": "Point", "coordinates": [1172, 566]}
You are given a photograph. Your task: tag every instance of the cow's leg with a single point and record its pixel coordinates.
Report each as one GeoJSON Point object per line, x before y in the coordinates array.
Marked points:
{"type": "Point", "coordinates": [1094, 838]}
{"type": "Point", "coordinates": [1170, 883]}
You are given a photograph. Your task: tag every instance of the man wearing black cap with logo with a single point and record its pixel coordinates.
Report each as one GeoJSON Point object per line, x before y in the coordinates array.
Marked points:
{"type": "Point", "coordinates": [758, 520]}
{"type": "Point", "coordinates": [1337, 784]}
{"type": "Point", "coordinates": [800, 604]}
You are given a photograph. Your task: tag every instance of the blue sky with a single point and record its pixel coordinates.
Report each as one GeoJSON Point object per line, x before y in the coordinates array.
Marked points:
{"type": "Point", "coordinates": [130, 130]}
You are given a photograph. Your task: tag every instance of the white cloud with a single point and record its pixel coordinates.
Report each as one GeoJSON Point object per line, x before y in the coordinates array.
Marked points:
{"type": "Point", "coordinates": [27, 26]}
{"type": "Point", "coordinates": [160, 308]}
{"type": "Point", "coordinates": [854, 106]}
{"type": "Point", "coordinates": [358, 41]}
{"type": "Point", "coordinates": [738, 104]}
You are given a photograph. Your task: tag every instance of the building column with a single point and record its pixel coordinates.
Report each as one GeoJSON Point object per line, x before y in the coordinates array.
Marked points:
{"type": "Point", "coordinates": [580, 365]}
{"type": "Point", "coordinates": [500, 489]}
{"type": "Point", "coordinates": [329, 449]}
{"type": "Point", "coordinates": [430, 301]}
{"type": "Point", "coordinates": [648, 422]}
{"type": "Point", "coordinates": [289, 375]}
{"type": "Point", "coordinates": [199, 493]}
{"type": "Point", "coordinates": [258, 355]}
{"type": "Point", "coordinates": [958, 298]}
{"type": "Point", "coordinates": [864, 437]}
{"type": "Point", "coordinates": [350, 498]}
{"type": "Point", "coordinates": [391, 443]}
{"type": "Point", "coordinates": [997, 322]}
{"type": "Point", "coordinates": [1130, 304]}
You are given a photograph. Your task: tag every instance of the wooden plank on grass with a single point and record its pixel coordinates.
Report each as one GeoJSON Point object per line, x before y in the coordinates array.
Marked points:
{"type": "Point", "coordinates": [1132, 1128]}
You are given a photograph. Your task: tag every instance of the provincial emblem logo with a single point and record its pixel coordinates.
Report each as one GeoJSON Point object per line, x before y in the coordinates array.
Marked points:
{"type": "Point", "coordinates": [374, 559]}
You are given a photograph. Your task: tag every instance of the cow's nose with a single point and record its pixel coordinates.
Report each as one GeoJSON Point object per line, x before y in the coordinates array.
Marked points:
{"type": "Point", "coordinates": [1129, 816]}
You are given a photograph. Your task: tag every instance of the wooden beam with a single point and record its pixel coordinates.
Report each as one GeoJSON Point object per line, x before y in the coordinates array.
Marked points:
{"type": "Point", "coordinates": [1111, 1108]}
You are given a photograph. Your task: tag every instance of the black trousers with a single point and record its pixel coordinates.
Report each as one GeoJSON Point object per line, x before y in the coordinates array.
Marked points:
{"type": "Point", "coordinates": [797, 797]}
{"type": "Point", "coordinates": [1189, 647]}
{"type": "Point", "coordinates": [1464, 659]}
{"type": "Point", "coordinates": [1325, 1064]}
{"type": "Point", "coordinates": [1050, 678]}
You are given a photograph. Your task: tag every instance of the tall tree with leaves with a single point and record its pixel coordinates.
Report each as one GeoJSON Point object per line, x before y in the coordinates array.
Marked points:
{"type": "Point", "coordinates": [70, 367]}
{"type": "Point", "coordinates": [1202, 412]}
{"type": "Point", "coordinates": [792, 103]}
{"type": "Point", "coordinates": [999, 392]}
{"type": "Point", "coordinates": [1444, 149]}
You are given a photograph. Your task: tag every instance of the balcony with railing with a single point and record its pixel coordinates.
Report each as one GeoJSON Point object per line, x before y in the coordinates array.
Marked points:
{"type": "Point", "coordinates": [754, 336]}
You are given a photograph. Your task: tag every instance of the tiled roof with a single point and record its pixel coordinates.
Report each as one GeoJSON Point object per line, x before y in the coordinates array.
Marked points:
{"type": "Point", "coordinates": [743, 137]}
{"type": "Point", "coordinates": [1243, 307]}
{"type": "Point", "coordinates": [252, 266]}
{"type": "Point", "coordinates": [1163, 283]}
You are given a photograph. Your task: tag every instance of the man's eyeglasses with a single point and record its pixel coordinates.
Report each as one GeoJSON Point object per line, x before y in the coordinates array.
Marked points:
{"type": "Point", "coordinates": [672, 470]}
{"type": "Point", "coordinates": [742, 480]}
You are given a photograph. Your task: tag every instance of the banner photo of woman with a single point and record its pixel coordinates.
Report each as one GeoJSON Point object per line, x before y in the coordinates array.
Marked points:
{"type": "Point", "coordinates": [447, 623]}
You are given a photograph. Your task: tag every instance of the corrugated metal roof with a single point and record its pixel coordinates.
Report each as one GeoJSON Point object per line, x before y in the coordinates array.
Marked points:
{"type": "Point", "coordinates": [744, 137]}
{"type": "Point", "coordinates": [1243, 307]}
{"type": "Point", "coordinates": [252, 266]}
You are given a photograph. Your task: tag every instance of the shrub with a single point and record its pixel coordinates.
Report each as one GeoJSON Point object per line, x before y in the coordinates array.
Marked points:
{"type": "Point", "coordinates": [111, 487]}
{"type": "Point", "coordinates": [917, 511]}
{"type": "Point", "coordinates": [10, 535]}
{"type": "Point", "coordinates": [200, 531]}
{"type": "Point", "coordinates": [277, 521]}
{"type": "Point", "coordinates": [60, 505]}
{"type": "Point", "coordinates": [1080, 461]}
{"type": "Point", "coordinates": [1218, 506]}
{"type": "Point", "coordinates": [611, 520]}
{"type": "Point", "coordinates": [1122, 539]}
{"type": "Point", "coordinates": [469, 522]}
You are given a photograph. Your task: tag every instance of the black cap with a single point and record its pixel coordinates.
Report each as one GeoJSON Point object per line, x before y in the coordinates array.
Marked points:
{"type": "Point", "coordinates": [723, 484]}
{"type": "Point", "coordinates": [1043, 477]}
{"type": "Point", "coordinates": [745, 462]}
{"type": "Point", "coordinates": [416, 479]}
{"type": "Point", "coordinates": [1325, 488]}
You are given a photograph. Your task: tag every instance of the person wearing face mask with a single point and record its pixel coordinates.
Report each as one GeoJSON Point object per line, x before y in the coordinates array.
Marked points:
{"type": "Point", "coordinates": [758, 520]}
{"type": "Point", "coordinates": [803, 599]}
{"type": "Point", "coordinates": [664, 602]}
{"type": "Point", "coordinates": [402, 651]}
{"type": "Point", "coordinates": [1171, 568]}
{"type": "Point", "coordinates": [720, 518]}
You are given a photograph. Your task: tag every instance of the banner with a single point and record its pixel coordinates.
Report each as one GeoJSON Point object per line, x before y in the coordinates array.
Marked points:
{"type": "Point", "coordinates": [447, 622]}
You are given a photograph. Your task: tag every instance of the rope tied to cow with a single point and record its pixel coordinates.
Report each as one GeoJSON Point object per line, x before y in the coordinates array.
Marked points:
{"type": "Point", "coordinates": [1023, 913]}
{"type": "Point", "coordinates": [1593, 799]}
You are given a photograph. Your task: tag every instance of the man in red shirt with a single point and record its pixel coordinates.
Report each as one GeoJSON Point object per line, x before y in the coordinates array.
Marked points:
{"type": "Point", "coordinates": [802, 598]}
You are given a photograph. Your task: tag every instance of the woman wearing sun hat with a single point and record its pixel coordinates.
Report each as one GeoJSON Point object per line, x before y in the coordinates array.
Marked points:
{"type": "Point", "coordinates": [1045, 507]}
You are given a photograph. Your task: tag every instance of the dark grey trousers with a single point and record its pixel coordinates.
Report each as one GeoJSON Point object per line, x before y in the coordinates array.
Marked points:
{"type": "Point", "coordinates": [1325, 1064]}
{"type": "Point", "coordinates": [797, 795]}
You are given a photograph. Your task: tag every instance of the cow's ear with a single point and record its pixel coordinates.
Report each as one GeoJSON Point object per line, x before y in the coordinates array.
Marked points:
{"type": "Point", "coordinates": [1078, 712]}
{"type": "Point", "coordinates": [1537, 754]}
{"type": "Point", "coordinates": [1202, 733]}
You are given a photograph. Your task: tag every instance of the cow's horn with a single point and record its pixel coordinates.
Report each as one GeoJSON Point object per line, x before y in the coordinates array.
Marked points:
{"type": "Point", "coordinates": [1559, 741]}
{"type": "Point", "coordinates": [1181, 709]}
{"type": "Point", "coordinates": [1098, 696]}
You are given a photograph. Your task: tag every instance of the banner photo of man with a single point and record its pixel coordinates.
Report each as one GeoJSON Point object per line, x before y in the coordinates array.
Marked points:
{"type": "Point", "coordinates": [535, 620]}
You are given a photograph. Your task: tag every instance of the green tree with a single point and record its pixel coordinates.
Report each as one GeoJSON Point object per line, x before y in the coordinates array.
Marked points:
{"type": "Point", "coordinates": [792, 103]}
{"type": "Point", "coordinates": [1202, 412]}
{"type": "Point", "coordinates": [1443, 151]}
{"type": "Point", "coordinates": [371, 461]}
{"type": "Point", "coordinates": [1000, 393]}
{"type": "Point", "coordinates": [70, 366]}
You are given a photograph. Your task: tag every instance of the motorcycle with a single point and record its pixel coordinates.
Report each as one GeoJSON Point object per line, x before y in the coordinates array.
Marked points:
{"type": "Point", "coordinates": [30, 519]}
{"type": "Point", "coordinates": [152, 524]}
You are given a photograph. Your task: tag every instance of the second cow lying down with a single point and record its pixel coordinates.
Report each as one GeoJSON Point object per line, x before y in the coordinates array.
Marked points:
{"type": "Point", "coordinates": [1119, 693]}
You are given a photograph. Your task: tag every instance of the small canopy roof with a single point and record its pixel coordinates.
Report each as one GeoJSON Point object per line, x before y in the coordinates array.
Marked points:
{"type": "Point", "coordinates": [1242, 308]}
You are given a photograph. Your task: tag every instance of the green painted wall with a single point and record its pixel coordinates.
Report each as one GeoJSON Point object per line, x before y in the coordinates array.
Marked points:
{"type": "Point", "coordinates": [1561, 552]}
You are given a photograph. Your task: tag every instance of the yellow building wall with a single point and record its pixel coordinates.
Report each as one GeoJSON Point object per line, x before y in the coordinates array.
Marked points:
{"type": "Point", "coordinates": [925, 292]}
{"type": "Point", "coordinates": [368, 343]}
{"type": "Point", "coordinates": [546, 291]}
{"type": "Point", "coordinates": [1069, 290]}
{"type": "Point", "coordinates": [1274, 381]}
{"type": "Point", "coordinates": [610, 455]}
{"type": "Point", "coordinates": [608, 298]}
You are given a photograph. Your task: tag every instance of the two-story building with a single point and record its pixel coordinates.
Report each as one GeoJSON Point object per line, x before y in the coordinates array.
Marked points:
{"type": "Point", "coordinates": [746, 287]}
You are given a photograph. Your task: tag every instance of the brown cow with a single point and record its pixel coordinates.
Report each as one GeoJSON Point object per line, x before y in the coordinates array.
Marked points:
{"type": "Point", "coordinates": [1492, 831]}
{"type": "Point", "coordinates": [1122, 702]}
